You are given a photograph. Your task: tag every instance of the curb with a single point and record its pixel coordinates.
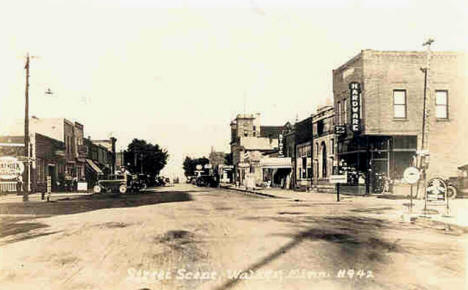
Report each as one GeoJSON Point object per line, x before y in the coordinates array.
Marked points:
{"type": "Point", "coordinates": [251, 192]}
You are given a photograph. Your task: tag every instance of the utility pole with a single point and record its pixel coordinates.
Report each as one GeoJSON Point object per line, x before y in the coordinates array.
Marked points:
{"type": "Point", "coordinates": [422, 157]}
{"type": "Point", "coordinates": [26, 132]}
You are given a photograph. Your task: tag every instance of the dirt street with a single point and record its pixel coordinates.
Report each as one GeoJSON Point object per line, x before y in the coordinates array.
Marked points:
{"type": "Point", "coordinates": [185, 237]}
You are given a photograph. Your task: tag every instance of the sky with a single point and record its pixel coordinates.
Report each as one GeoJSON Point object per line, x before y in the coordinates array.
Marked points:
{"type": "Point", "coordinates": [176, 74]}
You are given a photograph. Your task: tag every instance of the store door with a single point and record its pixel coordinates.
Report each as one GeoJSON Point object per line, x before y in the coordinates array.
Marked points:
{"type": "Point", "coordinates": [379, 173]}
{"type": "Point", "coordinates": [53, 176]}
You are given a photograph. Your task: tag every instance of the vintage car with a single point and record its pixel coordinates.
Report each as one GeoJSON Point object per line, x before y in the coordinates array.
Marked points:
{"type": "Point", "coordinates": [206, 180]}
{"type": "Point", "coordinates": [137, 182]}
{"type": "Point", "coordinates": [458, 186]}
{"type": "Point", "coordinates": [117, 183]}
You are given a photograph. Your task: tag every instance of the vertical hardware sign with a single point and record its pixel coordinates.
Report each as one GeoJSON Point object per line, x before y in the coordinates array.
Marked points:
{"type": "Point", "coordinates": [355, 91]}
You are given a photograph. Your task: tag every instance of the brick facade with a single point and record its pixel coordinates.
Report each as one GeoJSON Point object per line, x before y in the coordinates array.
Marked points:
{"type": "Point", "coordinates": [381, 75]}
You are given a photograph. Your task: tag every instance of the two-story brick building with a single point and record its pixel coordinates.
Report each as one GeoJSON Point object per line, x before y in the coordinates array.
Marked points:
{"type": "Point", "coordinates": [324, 145]}
{"type": "Point", "coordinates": [379, 97]}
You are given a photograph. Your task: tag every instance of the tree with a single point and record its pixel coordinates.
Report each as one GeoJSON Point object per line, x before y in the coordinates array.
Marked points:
{"type": "Point", "coordinates": [146, 158]}
{"type": "Point", "coordinates": [228, 159]}
{"type": "Point", "coordinates": [190, 165]}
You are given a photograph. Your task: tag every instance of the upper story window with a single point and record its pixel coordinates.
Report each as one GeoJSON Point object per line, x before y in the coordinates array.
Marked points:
{"type": "Point", "coordinates": [441, 103]}
{"type": "Point", "coordinates": [399, 104]}
{"type": "Point", "coordinates": [320, 127]}
{"type": "Point", "coordinates": [339, 113]}
{"type": "Point", "coordinates": [344, 111]}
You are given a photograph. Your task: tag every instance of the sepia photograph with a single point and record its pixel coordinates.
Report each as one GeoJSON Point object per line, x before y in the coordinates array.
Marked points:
{"type": "Point", "coordinates": [236, 144]}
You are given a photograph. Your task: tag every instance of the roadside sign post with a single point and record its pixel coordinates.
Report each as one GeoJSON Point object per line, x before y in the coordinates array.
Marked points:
{"type": "Point", "coordinates": [411, 176]}
{"type": "Point", "coordinates": [49, 187]}
{"type": "Point", "coordinates": [337, 179]}
{"type": "Point", "coordinates": [337, 192]}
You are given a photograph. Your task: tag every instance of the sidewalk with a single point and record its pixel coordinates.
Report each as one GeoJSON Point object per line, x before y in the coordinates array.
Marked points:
{"type": "Point", "coordinates": [399, 208]}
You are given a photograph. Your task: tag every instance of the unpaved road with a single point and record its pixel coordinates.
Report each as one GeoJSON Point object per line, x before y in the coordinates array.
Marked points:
{"type": "Point", "coordinates": [186, 237]}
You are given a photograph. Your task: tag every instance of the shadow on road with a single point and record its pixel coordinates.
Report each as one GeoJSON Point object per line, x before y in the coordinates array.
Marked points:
{"type": "Point", "coordinates": [94, 202]}
{"type": "Point", "coordinates": [356, 239]}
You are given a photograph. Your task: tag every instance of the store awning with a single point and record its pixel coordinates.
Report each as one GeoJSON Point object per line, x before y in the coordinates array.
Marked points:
{"type": "Point", "coordinates": [463, 167]}
{"type": "Point", "coordinates": [94, 166]}
{"type": "Point", "coordinates": [284, 162]}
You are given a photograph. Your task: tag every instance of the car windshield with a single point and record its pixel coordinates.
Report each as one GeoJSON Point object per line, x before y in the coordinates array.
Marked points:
{"type": "Point", "coordinates": [116, 177]}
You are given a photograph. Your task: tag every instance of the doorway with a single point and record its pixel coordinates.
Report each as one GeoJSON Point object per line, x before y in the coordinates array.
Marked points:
{"type": "Point", "coordinates": [53, 176]}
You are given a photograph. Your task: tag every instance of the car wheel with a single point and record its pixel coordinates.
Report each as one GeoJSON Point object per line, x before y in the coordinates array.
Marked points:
{"type": "Point", "coordinates": [122, 188]}
{"type": "Point", "coordinates": [97, 189]}
{"type": "Point", "coordinates": [451, 192]}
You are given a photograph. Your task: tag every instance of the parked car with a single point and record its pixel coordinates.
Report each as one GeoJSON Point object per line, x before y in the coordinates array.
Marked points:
{"type": "Point", "coordinates": [458, 186]}
{"type": "Point", "coordinates": [116, 183]}
{"type": "Point", "coordinates": [206, 180]}
{"type": "Point", "coordinates": [137, 182]}
{"type": "Point", "coordinates": [159, 181]}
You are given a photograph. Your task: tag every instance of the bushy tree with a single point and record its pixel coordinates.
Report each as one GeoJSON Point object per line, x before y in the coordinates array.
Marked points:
{"type": "Point", "coordinates": [190, 165]}
{"type": "Point", "coordinates": [144, 157]}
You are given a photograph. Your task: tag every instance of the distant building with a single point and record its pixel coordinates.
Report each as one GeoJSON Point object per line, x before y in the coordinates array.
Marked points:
{"type": "Point", "coordinates": [303, 156]}
{"type": "Point", "coordinates": [249, 141]}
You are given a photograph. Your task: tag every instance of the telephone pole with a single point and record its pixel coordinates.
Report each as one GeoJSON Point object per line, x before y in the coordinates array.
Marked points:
{"type": "Point", "coordinates": [26, 133]}
{"type": "Point", "coordinates": [424, 129]}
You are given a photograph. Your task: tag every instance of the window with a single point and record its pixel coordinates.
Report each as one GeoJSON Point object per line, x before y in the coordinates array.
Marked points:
{"type": "Point", "coordinates": [339, 113]}
{"type": "Point", "coordinates": [320, 127]}
{"type": "Point", "coordinates": [344, 111]}
{"type": "Point", "coordinates": [399, 104]}
{"type": "Point", "coordinates": [441, 110]}
{"type": "Point", "coordinates": [332, 146]}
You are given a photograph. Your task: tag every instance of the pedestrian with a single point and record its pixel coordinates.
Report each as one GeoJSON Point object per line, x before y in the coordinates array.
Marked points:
{"type": "Point", "coordinates": [19, 184]}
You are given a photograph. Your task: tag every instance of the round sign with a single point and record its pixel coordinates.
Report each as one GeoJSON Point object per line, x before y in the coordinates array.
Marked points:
{"type": "Point", "coordinates": [199, 167]}
{"type": "Point", "coordinates": [411, 175]}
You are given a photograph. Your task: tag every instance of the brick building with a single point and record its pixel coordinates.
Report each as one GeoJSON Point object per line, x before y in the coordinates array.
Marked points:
{"type": "Point", "coordinates": [324, 149]}
{"type": "Point", "coordinates": [63, 153]}
{"type": "Point", "coordinates": [383, 111]}
{"type": "Point", "coordinates": [48, 158]}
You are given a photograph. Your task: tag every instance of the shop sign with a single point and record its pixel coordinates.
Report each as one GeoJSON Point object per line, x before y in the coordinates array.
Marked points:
{"type": "Point", "coordinates": [339, 178]}
{"type": "Point", "coordinates": [340, 129]}
{"type": "Point", "coordinates": [243, 165]}
{"type": "Point", "coordinates": [280, 145]}
{"type": "Point", "coordinates": [355, 91]}
{"type": "Point", "coordinates": [10, 167]}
